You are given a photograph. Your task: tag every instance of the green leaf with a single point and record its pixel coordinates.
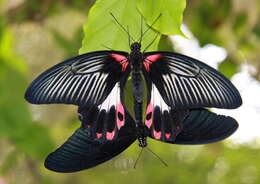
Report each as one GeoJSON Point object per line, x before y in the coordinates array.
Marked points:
{"type": "Point", "coordinates": [102, 31]}
{"type": "Point", "coordinates": [228, 68]}
{"type": "Point", "coordinates": [171, 14]}
{"type": "Point", "coordinates": [165, 44]}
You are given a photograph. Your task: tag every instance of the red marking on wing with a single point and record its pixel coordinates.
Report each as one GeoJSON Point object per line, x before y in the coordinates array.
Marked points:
{"type": "Point", "coordinates": [99, 135]}
{"type": "Point", "coordinates": [149, 60]}
{"type": "Point", "coordinates": [122, 60]}
{"type": "Point", "coordinates": [149, 110]}
{"type": "Point", "coordinates": [110, 135]}
{"type": "Point", "coordinates": [168, 135]}
{"type": "Point", "coordinates": [120, 109]}
{"type": "Point", "coordinates": [157, 135]}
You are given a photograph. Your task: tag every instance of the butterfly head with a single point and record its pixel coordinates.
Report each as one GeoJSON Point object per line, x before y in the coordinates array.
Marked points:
{"type": "Point", "coordinates": [136, 46]}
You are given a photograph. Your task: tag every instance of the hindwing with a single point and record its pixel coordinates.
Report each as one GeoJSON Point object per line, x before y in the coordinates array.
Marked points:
{"type": "Point", "coordinates": [202, 126]}
{"type": "Point", "coordinates": [162, 121]}
{"type": "Point", "coordinates": [107, 118]}
{"type": "Point", "coordinates": [82, 150]}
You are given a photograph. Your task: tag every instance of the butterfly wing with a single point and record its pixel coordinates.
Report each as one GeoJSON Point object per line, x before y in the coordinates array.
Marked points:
{"type": "Point", "coordinates": [162, 121]}
{"type": "Point", "coordinates": [198, 126]}
{"type": "Point", "coordinates": [84, 80]}
{"type": "Point", "coordinates": [202, 126]}
{"type": "Point", "coordinates": [186, 83]}
{"type": "Point", "coordinates": [82, 150]}
{"type": "Point", "coordinates": [107, 118]}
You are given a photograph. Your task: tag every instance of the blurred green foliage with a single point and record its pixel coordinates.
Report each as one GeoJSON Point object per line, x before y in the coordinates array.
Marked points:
{"type": "Point", "coordinates": [34, 36]}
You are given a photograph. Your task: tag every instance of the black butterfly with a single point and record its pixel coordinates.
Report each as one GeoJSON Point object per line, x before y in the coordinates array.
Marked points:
{"type": "Point", "coordinates": [178, 88]}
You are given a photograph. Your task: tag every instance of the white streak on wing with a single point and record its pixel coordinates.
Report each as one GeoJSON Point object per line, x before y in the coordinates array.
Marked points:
{"type": "Point", "coordinates": [207, 88]}
{"type": "Point", "coordinates": [84, 94]}
{"type": "Point", "coordinates": [112, 99]}
{"type": "Point", "coordinates": [89, 67]}
{"type": "Point", "coordinates": [212, 89]}
{"type": "Point", "coordinates": [87, 62]}
{"type": "Point", "coordinates": [92, 88]}
{"type": "Point", "coordinates": [70, 93]}
{"type": "Point", "coordinates": [101, 87]}
{"type": "Point", "coordinates": [196, 90]}
{"type": "Point", "coordinates": [227, 96]}
{"type": "Point", "coordinates": [96, 88]}
{"type": "Point", "coordinates": [39, 90]}
{"type": "Point", "coordinates": [85, 81]}
{"type": "Point", "coordinates": [158, 100]}
{"type": "Point", "coordinates": [176, 80]}
{"type": "Point", "coordinates": [167, 86]}
{"type": "Point", "coordinates": [204, 90]}
{"type": "Point", "coordinates": [56, 88]}
{"type": "Point", "coordinates": [219, 92]}
{"type": "Point", "coordinates": [62, 85]}
{"type": "Point", "coordinates": [81, 78]}
{"type": "Point", "coordinates": [187, 89]}
{"type": "Point", "coordinates": [44, 89]}
{"type": "Point", "coordinates": [184, 91]}
{"type": "Point", "coordinates": [66, 85]}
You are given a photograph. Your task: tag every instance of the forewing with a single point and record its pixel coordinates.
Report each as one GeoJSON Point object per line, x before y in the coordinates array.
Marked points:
{"type": "Point", "coordinates": [186, 83]}
{"type": "Point", "coordinates": [84, 80]}
{"type": "Point", "coordinates": [202, 126]}
{"type": "Point", "coordinates": [82, 150]}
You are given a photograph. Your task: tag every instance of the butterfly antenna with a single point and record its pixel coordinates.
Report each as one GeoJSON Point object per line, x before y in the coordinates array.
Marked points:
{"type": "Point", "coordinates": [149, 45]}
{"type": "Point", "coordinates": [138, 158]}
{"type": "Point", "coordinates": [164, 163]}
{"type": "Point", "coordinates": [150, 27]}
{"type": "Point", "coordinates": [129, 44]}
{"type": "Point", "coordinates": [122, 27]}
{"type": "Point", "coordinates": [141, 37]}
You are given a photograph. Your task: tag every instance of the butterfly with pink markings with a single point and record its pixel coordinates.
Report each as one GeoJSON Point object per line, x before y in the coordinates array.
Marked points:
{"type": "Point", "coordinates": [178, 88]}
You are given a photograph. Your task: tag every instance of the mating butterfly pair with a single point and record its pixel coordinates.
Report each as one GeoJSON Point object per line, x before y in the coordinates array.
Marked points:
{"type": "Point", "coordinates": [178, 88]}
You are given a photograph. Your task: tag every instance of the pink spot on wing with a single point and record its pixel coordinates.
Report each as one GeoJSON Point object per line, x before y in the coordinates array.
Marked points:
{"type": "Point", "coordinates": [149, 110]}
{"type": "Point", "coordinates": [99, 135]}
{"type": "Point", "coordinates": [157, 135]}
{"type": "Point", "coordinates": [110, 135]}
{"type": "Point", "coordinates": [120, 109]}
{"type": "Point", "coordinates": [122, 60]}
{"type": "Point", "coordinates": [168, 135]}
{"type": "Point", "coordinates": [149, 60]}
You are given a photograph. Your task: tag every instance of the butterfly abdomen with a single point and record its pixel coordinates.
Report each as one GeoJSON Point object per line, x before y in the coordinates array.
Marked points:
{"type": "Point", "coordinates": [137, 85]}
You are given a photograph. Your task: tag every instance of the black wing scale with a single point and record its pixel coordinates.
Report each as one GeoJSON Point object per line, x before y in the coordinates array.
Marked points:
{"type": "Point", "coordinates": [202, 126]}
{"type": "Point", "coordinates": [198, 126]}
{"type": "Point", "coordinates": [186, 83]}
{"type": "Point", "coordinates": [83, 150]}
{"type": "Point", "coordinates": [84, 80]}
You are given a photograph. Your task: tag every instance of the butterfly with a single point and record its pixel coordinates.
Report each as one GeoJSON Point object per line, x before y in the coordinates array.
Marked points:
{"type": "Point", "coordinates": [179, 88]}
